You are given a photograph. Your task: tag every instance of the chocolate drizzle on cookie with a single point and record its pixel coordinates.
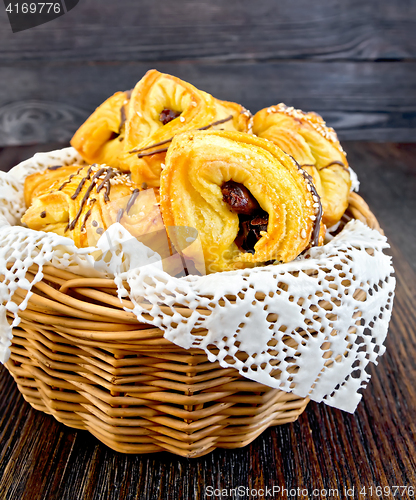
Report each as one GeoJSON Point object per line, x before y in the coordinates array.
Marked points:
{"type": "Point", "coordinates": [141, 154]}
{"type": "Point", "coordinates": [335, 162]}
{"type": "Point", "coordinates": [108, 173]}
{"type": "Point", "coordinates": [129, 205]}
{"type": "Point", "coordinates": [99, 177]}
{"type": "Point", "coordinates": [106, 183]}
{"type": "Point", "coordinates": [123, 118]}
{"type": "Point", "coordinates": [314, 241]}
{"type": "Point", "coordinates": [55, 167]}
{"type": "Point", "coordinates": [150, 153]}
{"type": "Point", "coordinates": [81, 184]}
{"type": "Point", "coordinates": [120, 214]}
{"type": "Point", "coordinates": [123, 115]}
{"type": "Point", "coordinates": [70, 178]}
{"type": "Point", "coordinates": [218, 122]}
{"type": "Point", "coordinates": [71, 225]}
{"type": "Point", "coordinates": [132, 199]}
{"type": "Point", "coordinates": [87, 215]}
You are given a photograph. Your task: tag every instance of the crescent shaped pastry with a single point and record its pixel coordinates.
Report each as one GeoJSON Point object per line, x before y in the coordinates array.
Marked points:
{"type": "Point", "coordinates": [84, 201]}
{"type": "Point", "coordinates": [315, 147]}
{"type": "Point", "coordinates": [250, 202]}
{"type": "Point", "coordinates": [133, 133]}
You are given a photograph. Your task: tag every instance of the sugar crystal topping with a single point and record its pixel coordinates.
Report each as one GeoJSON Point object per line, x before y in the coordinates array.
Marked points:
{"type": "Point", "coordinates": [315, 120]}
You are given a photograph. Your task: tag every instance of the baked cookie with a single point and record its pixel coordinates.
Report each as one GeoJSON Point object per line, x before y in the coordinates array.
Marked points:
{"type": "Point", "coordinates": [249, 201]}
{"type": "Point", "coordinates": [83, 201]}
{"type": "Point", "coordinates": [315, 147]}
{"type": "Point", "coordinates": [131, 131]}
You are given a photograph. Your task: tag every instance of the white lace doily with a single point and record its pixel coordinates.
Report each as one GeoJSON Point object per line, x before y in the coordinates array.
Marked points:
{"type": "Point", "coordinates": [309, 327]}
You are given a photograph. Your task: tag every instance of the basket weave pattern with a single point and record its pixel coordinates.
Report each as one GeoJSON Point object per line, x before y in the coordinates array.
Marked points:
{"type": "Point", "coordinates": [80, 357]}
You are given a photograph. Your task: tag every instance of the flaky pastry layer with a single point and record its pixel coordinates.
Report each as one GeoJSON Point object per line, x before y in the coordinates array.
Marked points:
{"type": "Point", "coordinates": [315, 147]}
{"type": "Point", "coordinates": [195, 185]}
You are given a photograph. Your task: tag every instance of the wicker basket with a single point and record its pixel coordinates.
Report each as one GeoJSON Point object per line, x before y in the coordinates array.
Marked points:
{"type": "Point", "coordinates": [80, 357]}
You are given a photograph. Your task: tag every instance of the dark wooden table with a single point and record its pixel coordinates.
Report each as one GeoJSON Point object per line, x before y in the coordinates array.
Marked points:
{"type": "Point", "coordinates": [325, 448]}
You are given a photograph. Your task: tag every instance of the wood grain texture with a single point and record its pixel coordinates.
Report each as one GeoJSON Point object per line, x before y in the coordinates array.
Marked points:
{"type": "Point", "coordinates": [101, 30]}
{"type": "Point", "coordinates": [362, 101]}
{"type": "Point", "coordinates": [352, 61]}
{"type": "Point", "coordinates": [325, 448]}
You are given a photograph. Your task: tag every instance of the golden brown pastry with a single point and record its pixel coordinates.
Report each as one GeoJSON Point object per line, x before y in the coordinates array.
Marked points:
{"type": "Point", "coordinates": [39, 183]}
{"type": "Point", "coordinates": [249, 201]}
{"type": "Point", "coordinates": [315, 147]}
{"type": "Point", "coordinates": [133, 133]}
{"type": "Point", "coordinates": [100, 138]}
{"type": "Point", "coordinates": [83, 201]}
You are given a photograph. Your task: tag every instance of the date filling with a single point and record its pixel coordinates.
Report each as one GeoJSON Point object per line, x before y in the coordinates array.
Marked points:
{"type": "Point", "coordinates": [253, 220]}
{"type": "Point", "coordinates": [167, 115]}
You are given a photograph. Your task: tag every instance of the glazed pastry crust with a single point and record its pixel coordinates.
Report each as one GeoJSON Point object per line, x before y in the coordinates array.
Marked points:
{"type": "Point", "coordinates": [51, 178]}
{"type": "Point", "coordinates": [315, 147]}
{"type": "Point", "coordinates": [156, 92]}
{"type": "Point", "coordinates": [136, 123]}
{"type": "Point", "coordinates": [197, 166]}
{"type": "Point", "coordinates": [81, 202]}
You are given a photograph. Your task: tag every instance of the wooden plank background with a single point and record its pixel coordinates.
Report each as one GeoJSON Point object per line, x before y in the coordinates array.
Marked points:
{"type": "Point", "coordinates": [352, 61]}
